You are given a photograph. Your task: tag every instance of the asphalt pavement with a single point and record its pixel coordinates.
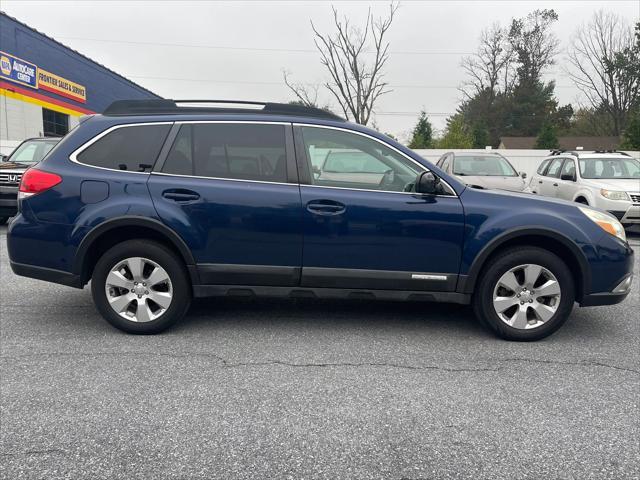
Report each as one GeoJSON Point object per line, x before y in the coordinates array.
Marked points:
{"type": "Point", "coordinates": [304, 389]}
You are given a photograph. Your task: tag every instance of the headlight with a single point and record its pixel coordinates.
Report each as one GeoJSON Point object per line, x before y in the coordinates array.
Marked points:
{"type": "Point", "coordinates": [614, 195]}
{"type": "Point", "coordinates": [608, 223]}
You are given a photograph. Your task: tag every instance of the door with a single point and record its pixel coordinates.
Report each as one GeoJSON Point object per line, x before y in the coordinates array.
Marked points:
{"type": "Point", "coordinates": [548, 184]}
{"type": "Point", "coordinates": [362, 227]}
{"type": "Point", "coordinates": [567, 188]}
{"type": "Point", "coordinates": [230, 191]}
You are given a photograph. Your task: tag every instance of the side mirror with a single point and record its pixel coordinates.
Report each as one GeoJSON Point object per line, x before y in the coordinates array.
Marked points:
{"type": "Point", "coordinates": [568, 176]}
{"type": "Point", "coordinates": [428, 183]}
{"type": "Point", "coordinates": [523, 175]}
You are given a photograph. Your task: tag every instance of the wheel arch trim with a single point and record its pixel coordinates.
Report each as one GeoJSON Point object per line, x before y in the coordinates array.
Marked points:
{"type": "Point", "coordinates": [468, 282]}
{"type": "Point", "coordinates": [129, 221]}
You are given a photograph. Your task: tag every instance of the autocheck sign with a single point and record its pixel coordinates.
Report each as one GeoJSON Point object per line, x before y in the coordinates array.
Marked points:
{"type": "Point", "coordinates": [17, 70]}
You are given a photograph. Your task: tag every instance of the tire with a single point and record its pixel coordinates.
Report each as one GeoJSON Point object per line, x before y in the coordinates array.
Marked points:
{"type": "Point", "coordinates": [173, 293]}
{"type": "Point", "coordinates": [526, 315]}
{"type": "Point", "coordinates": [582, 201]}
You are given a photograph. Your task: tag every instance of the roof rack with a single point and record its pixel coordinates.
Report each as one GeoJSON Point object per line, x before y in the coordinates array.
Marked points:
{"type": "Point", "coordinates": [167, 106]}
{"type": "Point", "coordinates": [562, 151]}
{"type": "Point", "coordinates": [612, 151]}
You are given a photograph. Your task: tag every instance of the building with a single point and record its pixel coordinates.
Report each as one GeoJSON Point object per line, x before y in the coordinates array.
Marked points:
{"type": "Point", "coordinates": [566, 143]}
{"type": "Point", "coordinates": [45, 86]}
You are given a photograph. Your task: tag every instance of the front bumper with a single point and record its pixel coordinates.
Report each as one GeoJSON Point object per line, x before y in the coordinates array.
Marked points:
{"type": "Point", "coordinates": [616, 295]}
{"type": "Point", "coordinates": [631, 215]}
{"type": "Point", "coordinates": [8, 201]}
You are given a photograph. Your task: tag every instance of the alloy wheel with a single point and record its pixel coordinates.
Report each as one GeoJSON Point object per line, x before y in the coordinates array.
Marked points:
{"type": "Point", "coordinates": [526, 296]}
{"type": "Point", "coordinates": [138, 289]}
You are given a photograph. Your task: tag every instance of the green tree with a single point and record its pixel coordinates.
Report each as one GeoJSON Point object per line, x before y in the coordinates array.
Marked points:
{"type": "Point", "coordinates": [456, 135]}
{"type": "Point", "coordinates": [547, 138]}
{"type": "Point", "coordinates": [422, 136]}
{"type": "Point", "coordinates": [632, 132]}
{"type": "Point", "coordinates": [480, 135]}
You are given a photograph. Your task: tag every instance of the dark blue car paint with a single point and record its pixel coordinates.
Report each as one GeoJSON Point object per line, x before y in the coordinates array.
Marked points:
{"type": "Point", "coordinates": [235, 228]}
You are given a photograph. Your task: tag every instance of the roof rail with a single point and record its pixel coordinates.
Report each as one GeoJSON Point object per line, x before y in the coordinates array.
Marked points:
{"type": "Point", "coordinates": [612, 151]}
{"type": "Point", "coordinates": [168, 107]}
{"type": "Point", "coordinates": [565, 152]}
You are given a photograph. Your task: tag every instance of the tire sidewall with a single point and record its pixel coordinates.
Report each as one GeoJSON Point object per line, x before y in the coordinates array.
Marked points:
{"type": "Point", "coordinates": [483, 300]}
{"type": "Point", "coordinates": [158, 254]}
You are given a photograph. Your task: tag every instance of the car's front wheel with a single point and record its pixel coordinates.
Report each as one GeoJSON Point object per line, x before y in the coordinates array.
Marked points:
{"type": "Point", "coordinates": [141, 287]}
{"type": "Point", "coordinates": [525, 294]}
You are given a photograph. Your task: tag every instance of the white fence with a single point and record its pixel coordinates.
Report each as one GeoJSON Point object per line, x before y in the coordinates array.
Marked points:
{"type": "Point", "coordinates": [526, 161]}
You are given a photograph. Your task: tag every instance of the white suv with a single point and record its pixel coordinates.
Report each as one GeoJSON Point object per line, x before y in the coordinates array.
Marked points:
{"type": "Point", "coordinates": [606, 180]}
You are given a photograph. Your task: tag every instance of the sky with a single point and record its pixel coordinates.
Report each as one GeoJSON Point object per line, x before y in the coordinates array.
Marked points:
{"type": "Point", "coordinates": [238, 50]}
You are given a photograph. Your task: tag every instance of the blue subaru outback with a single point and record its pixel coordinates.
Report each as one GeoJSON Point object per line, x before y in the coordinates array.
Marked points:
{"type": "Point", "coordinates": [160, 201]}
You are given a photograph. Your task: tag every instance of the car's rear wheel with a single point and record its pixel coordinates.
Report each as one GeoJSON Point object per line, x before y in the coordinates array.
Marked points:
{"type": "Point", "coordinates": [140, 287]}
{"type": "Point", "coordinates": [525, 294]}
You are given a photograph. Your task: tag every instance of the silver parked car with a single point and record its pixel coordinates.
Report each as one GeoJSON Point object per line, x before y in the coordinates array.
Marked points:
{"type": "Point", "coordinates": [483, 170]}
{"type": "Point", "coordinates": [606, 180]}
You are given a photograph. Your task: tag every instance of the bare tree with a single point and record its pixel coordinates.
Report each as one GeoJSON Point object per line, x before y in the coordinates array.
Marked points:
{"type": "Point", "coordinates": [533, 43]}
{"type": "Point", "coordinates": [597, 56]}
{"type": "Point", "coordinates": [305, 94]}
{"type": "Point", "coordinates": [490, 68]}
{"type": "Point", "coordinates": [355, 82]}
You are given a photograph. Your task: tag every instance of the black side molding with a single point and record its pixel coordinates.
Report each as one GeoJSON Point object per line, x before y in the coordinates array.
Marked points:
{"type": "Point", "coordinates": [337, 293]}
{"type": "Point", "coordinates": [47, 274]}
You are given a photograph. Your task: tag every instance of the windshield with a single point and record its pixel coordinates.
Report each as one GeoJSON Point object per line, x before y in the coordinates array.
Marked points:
{"type": "Point", "coordinates": [32, 151]}
{"type": "Point", "coordinates": [609, 168]}
{"type": "Point", "coordinates": [483, 165]}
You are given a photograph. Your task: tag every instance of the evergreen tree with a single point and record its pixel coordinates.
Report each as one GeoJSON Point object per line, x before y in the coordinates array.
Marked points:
{"type": "Point", "coordinates": [632, 132]}
{"type": "Point", "coordinates": [422, 136]}
{"type": "Point", "coordinates": [547, 138]}
{"type": "Point", "coordinates": [456, 135]}
{"type": "Point", "coordinates": [480, 135]}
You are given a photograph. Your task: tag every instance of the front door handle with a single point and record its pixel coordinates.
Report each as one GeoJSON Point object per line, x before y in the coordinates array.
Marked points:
{"type": "Point", "coordinates": [555, 184]}
{"type": "Point", "coordinates": [326, 207]}
{"type": "Point", "coordinates": [540, 182]}
{"type": "Point", "coordinates": [180, 195]}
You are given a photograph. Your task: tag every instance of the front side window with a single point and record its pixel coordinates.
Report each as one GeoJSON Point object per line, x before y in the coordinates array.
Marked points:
{"type": "Point", "coordinates": [609, 168]}
{"type": "Point", "coordinates": [134, 148]}
{"type": "Point", "coordinates": [569, 168]}
{"type": "Point", "coordinates": [543, 166]}
{"type": "Point", "coordinates": [554, 168]}
{"type": "Point", "coordinates": [231, 151]}
{"type": "Point", "coordinates": [348, 160]}
{"type": "Point", "coordinates": [483, 165]}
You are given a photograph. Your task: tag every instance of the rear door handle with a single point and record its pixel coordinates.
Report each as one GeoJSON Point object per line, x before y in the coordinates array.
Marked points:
{"type": "Point", "coordinates": [326, 207]}
{"type": "Point", "coordinates": [181, 195]}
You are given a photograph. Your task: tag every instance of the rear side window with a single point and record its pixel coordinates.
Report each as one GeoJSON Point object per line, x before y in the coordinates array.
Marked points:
{"type": "Point", "coordinates": [134, 149]}
{"type": "Point", "coordinates": [233, 151]}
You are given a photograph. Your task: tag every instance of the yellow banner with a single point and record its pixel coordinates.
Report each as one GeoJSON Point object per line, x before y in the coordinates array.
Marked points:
{"type": "Point", "coordinates": [56, 84]}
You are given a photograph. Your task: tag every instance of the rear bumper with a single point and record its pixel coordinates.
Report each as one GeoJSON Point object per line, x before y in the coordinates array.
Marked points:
{"type": "Point", "coordinates": [47, 274]}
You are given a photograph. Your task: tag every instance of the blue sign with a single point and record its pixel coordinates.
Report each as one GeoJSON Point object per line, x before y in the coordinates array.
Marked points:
{"type": "Point", "coordinates": [17, 70]}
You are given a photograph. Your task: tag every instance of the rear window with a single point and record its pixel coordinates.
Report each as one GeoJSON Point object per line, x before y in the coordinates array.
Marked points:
{"type": "Point", "coordinates": [134, 149]}
{"type": "Point", "coordinates": [233, 151]}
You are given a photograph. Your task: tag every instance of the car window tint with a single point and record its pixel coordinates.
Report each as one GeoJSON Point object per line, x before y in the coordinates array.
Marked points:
{"type": "Point", "coordinates": [554, 168]}
{"type": "Point", "coordinates": [348, 160]}
{"type": "Point", "coordinates": [134, 148]}
{"type": "Point", "coordinates": [234, 151]}
{"type": "Point", "coordinates": [542, 167]}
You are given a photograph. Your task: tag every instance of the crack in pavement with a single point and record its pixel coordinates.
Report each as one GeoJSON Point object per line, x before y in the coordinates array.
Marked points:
{"type": "Point", "coordinates": [228, 364]}
{"type": "Point", "coordinates": [33, 452]}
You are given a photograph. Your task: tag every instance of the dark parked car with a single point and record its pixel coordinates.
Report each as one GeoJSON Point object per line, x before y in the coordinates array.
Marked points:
{"type": "Point", "coordinates": [158, 201]}
{"type": "Point", "coordinates": [27, 154]}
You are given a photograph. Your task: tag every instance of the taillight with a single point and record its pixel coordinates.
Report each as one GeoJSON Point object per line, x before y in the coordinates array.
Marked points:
{"type": "Point", "coordinates": [37, 181]}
